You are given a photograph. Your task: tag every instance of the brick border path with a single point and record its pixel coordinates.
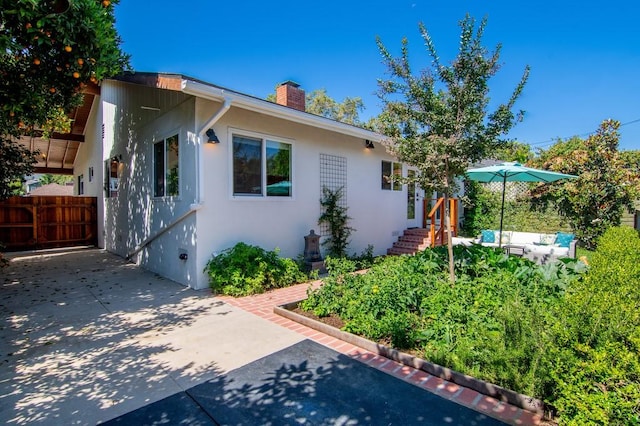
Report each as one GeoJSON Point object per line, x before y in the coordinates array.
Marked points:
{"type": "Point", "coordinates": [262, 305]}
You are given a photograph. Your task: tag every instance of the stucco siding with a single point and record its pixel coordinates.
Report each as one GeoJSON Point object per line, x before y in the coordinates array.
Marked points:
{"type": "Point", "coordinates": [378, 216]}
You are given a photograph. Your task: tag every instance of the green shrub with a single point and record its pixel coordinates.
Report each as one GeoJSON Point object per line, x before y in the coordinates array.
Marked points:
{"type": "Point", "coordinates": [492, 324]}
{"type": "Point", "coordinates": [245, 269]}
{"type": "Point", "coordinates": [596, 360]}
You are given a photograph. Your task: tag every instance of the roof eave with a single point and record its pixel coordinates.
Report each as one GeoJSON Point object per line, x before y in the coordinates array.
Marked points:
{"type": "Point", "coordinates": [250, 103]}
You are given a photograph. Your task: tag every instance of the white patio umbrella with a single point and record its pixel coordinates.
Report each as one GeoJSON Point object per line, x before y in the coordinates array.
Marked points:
{"type": "Point", "coordinates": [512, 172]}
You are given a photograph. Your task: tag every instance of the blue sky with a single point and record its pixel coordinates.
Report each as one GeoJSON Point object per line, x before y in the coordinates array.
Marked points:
{"type": "Point", "coordinates": [584, 55]}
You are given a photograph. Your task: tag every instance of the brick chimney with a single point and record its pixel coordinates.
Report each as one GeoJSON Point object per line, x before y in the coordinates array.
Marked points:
{"type": "Point", "coordinates": [289, 94]}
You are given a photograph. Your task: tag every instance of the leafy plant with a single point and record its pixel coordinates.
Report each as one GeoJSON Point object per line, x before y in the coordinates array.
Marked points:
{"type": "Point", "coordinates": [596, 351]}
{"type": "Point", "coordinates": [335, 217]}
{"type": "Point", "coordinates": [245, 269]}
{"type": "Point", "coordinates": [492, 324]}
{"type": "Point", "coordinates": [607, 183]}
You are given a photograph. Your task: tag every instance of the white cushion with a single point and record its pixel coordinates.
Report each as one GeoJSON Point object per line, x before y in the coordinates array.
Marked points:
{"type": "Point", "coordinates": [552, 250]}
{"type": "Point", "coordinates": [521, 238]}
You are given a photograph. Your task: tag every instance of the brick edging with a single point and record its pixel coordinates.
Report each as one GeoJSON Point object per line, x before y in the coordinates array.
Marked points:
{"type": "Point", "coordinates": [514, 398]}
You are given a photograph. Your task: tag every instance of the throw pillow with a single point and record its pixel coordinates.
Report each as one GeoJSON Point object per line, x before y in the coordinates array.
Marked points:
{"type": "Point", "coordinates": [488, 236]}
{"type": "Point", "coordinates": [563, 239]}
{"type": "Point", "coordinates": [547, 239]}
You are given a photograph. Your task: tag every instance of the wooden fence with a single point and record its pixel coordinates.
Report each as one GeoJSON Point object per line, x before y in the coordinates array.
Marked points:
{"type": "Point", "coordinates": [28, 223]}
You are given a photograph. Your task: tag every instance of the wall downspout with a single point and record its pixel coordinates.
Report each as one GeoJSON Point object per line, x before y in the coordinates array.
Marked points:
{"type": "Point", "coordinates": [200, 135]}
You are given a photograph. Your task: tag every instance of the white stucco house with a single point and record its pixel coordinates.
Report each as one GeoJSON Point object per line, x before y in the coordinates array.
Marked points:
{"type": "Point", "coordinates": [184, 169]}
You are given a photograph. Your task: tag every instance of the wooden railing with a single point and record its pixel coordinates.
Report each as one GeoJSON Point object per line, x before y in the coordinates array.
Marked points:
{"type": "Point", "coordinates": [48, 222]}
{"type": "Point", "coordinates": [437, 231]}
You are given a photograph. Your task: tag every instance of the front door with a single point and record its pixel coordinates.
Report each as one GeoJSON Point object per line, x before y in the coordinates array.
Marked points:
{"type": "Point", "coordinates": [414, 204]}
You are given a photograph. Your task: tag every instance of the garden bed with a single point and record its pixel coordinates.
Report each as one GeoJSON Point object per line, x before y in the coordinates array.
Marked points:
{"type": "Point", "coordinates": [330, 326]}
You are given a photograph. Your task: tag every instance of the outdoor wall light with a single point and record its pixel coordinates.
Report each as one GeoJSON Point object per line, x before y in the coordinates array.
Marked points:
{"type": "Point", "coordinates": [212, 136]}
{"type": "Point", "coordinates": [368, 144]}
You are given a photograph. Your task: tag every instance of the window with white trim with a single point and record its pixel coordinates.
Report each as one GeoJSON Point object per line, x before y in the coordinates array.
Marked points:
{"type": "Point", "coordinates": [166, 167]}
{"type": "Point", "coordinates": [390, 171]}
{"type": "Point", "coordinates": [261, 167]}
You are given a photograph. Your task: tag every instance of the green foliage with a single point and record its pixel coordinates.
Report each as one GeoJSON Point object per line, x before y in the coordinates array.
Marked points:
{"type": "Point", "coordinates": [558, 332]}
{"type": "Point", "coordinates": [17, 162]}
{"type": "Point", "coordinates": [489, 324]}
{"type": "Point", "coordinates": [482, 211]}
{"type": "Point", "coordinates": [47, 58]}
{"type": "Point", "coordinates": [607, 182]}
{"type": "Point", "coordinates": [335, 217]}
{"type": "Point", "coordinates": [438, 119]}
{"type": "Point", "coordinates": [347, 111]}
{"type": "Point", "coordinates": [244, 269]}
{"type": "Point", "coordinates": [596, 368]}
{"type": "Point", "coordinates": [514, 151]}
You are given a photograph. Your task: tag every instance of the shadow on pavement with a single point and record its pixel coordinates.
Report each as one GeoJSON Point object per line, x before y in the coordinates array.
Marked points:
{"type": "Point", "coordinates": [306, 383]}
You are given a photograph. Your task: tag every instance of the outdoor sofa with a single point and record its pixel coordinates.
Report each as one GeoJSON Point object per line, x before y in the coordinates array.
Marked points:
{"type": "Point", "coordinates": [538, 247]}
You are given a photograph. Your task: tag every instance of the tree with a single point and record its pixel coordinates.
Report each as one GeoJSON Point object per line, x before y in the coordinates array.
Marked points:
{"type": "Point", "coordinates": [606, 184]}
{"type": "Point", "coordinates": [514, 151]}
{"type": "Point", "coordinates": [438, 120]}
{"type": "Point", "coordinates": [50, 51]}
{"type": "Point", "coordinates": [320, 103]}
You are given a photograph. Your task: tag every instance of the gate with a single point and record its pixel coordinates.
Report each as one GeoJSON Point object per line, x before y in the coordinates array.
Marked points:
{"type": "Point", "coordinates": [41, 222]}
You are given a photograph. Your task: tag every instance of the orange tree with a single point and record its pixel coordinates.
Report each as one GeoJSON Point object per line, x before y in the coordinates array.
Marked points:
{"type": "Point", "coordinates": [50, 50]}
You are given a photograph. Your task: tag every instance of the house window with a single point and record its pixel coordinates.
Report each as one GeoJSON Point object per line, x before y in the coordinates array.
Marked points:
{"type": "Point", "coordinates": [390, 171]}
{"type": "Point", "coordinates": [166, 167]}
{"type": "Point", "coordinates": [261, 167]}
{"type": "Point", "coordinates": [111, 179]}
{"type": "Point", "coordinates": [80, 184]}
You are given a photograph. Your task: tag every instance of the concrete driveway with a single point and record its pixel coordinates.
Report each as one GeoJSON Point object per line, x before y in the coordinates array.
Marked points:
{"type": "Point", "coordinates": [87, 338]}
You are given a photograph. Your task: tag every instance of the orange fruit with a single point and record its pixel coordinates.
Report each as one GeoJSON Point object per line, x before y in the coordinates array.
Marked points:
{"type": "Point", "coordinates": [36, 61]}
{"type": "Point", "coordinates": [52, 90]}
{"type": "Point", "coordinates": [106, 3]}
{"type": "Point", "coordinates": [68, 49]}
{"type": "Point", "coordinates": [80, 61]}
{"type": "Point", "coordinates": [76, 74]}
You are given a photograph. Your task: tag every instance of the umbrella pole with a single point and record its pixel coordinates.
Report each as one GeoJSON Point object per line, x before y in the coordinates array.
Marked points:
{"type": "Point", "coordinates": [504, 187]}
